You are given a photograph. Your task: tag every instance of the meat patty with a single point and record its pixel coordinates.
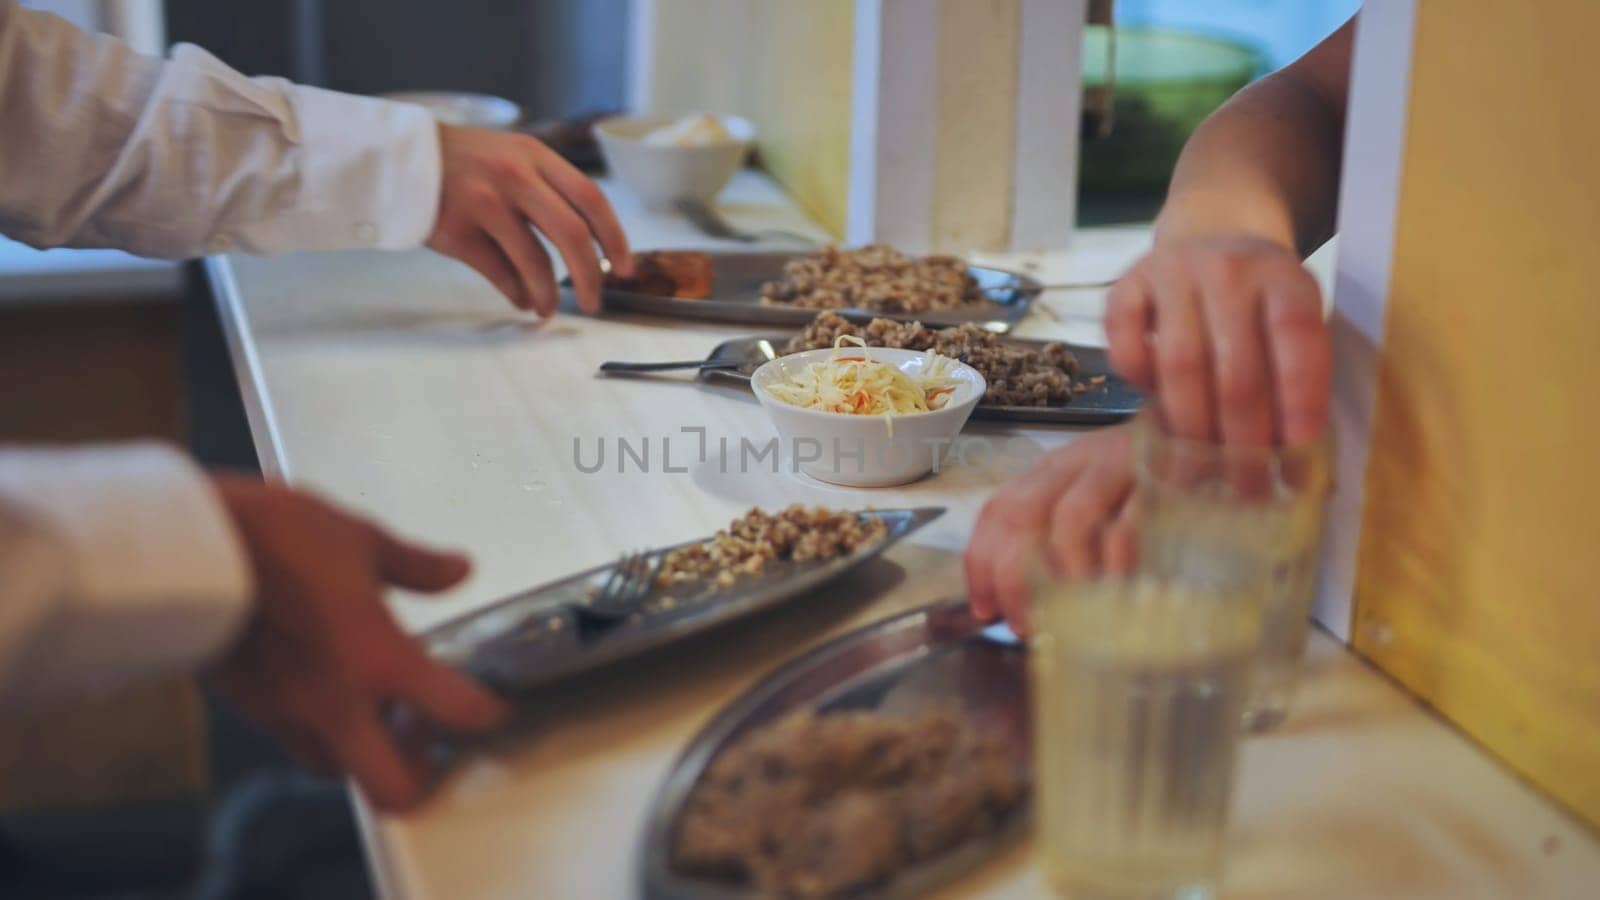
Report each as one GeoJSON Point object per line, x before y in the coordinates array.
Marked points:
{"type": "Point", "coordinates": [685, 275]}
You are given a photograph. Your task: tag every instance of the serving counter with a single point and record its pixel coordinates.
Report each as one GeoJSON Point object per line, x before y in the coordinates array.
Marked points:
{"type": "Point", "coordinates": [403, 386]}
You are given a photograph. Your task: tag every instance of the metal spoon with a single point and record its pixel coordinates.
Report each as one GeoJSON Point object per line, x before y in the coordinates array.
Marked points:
{"type": "Point", "coordinates": [628, 368]}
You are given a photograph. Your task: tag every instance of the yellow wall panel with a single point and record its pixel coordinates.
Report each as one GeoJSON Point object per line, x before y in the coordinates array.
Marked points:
{"type": "Point", "coordinates": [1479, 576]}
{"type": "Point", "coordinates": [784, 65]}
{"type": "Point", "coordinates": [802, 101]}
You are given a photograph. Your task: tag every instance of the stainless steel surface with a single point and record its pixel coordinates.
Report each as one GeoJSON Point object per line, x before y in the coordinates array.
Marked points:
{"type": "Point", "coordinates": [935, 657]}
{"type": "Point", "coordinates": [1112, 401]}
{"type": "Point", "coordinates": [624, 590]}
{"type": "Point", "coordinates": [737, 277]}
{"type": "Point", "coordinates": [538, 636]}
{"type": "Point", "coordinates": [705, 217]}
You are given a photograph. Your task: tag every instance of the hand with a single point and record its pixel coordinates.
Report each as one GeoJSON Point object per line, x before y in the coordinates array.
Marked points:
{"type": "Point", "coordinates": [321, 655]}
{"type": "Point", "coordinates": [1228, 339]}
{"type": "Point", "coordinates": [497, 185]}
{"type": "Point", "coordinates": [1073, 510]}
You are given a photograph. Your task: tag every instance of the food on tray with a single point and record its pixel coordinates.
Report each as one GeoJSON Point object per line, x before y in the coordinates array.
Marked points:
{"type": "Point", "coordinates": [685, 275]}
{"type": "Point", "coordinates": [703, 130]}
{"type": "Point", "coordinates": [856, 384]}
{"type": "Point", "coordinates": [876, 277]}
{"type": "Point", "coordinates": [744, 548]}
{"type": "Point", "coordinates": [1017, 375]}
{"type": "Point", "coordinates": [826, 805]}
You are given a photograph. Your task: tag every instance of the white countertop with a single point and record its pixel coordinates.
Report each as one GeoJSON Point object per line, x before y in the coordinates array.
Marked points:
{"type": "Point", "coordinates": [402, 385]}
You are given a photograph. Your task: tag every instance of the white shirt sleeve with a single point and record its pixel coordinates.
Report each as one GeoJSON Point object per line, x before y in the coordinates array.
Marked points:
{"type": "Point", "coordinates": [103, 147]}
{"type": "Point", "coordinates": [118, 562]}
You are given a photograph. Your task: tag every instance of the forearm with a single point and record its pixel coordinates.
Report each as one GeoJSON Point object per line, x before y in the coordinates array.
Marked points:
{"type": "Point", "coordinates": [1266, 164]}
{"type": "Point", "coordinates": [1221, 326]}
{"type": "Point", "coordinates": [100, 146]}
{"type": "Point", "coordinates": [118, 562]}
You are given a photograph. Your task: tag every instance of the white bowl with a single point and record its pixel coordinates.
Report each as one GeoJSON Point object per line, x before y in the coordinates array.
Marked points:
{"type": "Point", "coordinates": [859, 451]}
{"type": "Point", "coordinates": [663, 174]}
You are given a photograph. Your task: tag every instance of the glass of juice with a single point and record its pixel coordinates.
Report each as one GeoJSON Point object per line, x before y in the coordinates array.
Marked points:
{"type": "Point", "coordinates": [1202, 502]}
{"type": "Point", "coordinates": [1138, 685]}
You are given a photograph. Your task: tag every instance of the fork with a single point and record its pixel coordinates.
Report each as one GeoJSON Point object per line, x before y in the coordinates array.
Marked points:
{"type": "Point", "coordinates": [624, 591]}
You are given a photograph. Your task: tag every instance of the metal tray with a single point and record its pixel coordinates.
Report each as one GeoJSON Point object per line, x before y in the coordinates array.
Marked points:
{"type": "Point", "coordinates": [1113, 400]}
{"type": "Point", "coordinates": [933, 657]}
{"type": "Point", "coordinates": [736, 280]}
{"type": "Point", "coordinates": [536, 637]}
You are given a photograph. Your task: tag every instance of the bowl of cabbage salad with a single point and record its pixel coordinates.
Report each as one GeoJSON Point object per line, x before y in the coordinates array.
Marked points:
{"type": "Point", "coordinates": [866, 416]}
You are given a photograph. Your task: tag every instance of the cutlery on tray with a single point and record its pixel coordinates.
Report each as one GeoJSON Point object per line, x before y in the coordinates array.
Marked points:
{"type": "Point", "coordinates": [624, 590]}
{"type": "Point", "coordinates": [627, 368]}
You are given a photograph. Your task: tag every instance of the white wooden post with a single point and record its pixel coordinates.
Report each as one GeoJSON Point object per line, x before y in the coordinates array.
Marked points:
{"type": "Point", "coordinates": [1044, 201]}
{"type": "Point", "coordinates": [894, 123]}
{"type": "Point", "coordinates": [1369, 195]}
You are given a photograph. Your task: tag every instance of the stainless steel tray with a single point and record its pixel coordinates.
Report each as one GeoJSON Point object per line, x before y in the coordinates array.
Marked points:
{"type": "Point", "coordinates": [935, 657]}
{"type": "Point", "coordinates": [736, 280]}
{"type": "Point", "coordinates": [538, 637]}
{"type": "Point", "coordinates": [1113, 400]}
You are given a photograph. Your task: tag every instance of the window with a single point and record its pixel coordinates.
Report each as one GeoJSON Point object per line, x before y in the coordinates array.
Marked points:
{"type": "Point", "coordinates": [1177, 61]}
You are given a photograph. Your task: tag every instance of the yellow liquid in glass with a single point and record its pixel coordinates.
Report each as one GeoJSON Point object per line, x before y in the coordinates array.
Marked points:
{"type": "Point", "coordinates": [1138, 688]}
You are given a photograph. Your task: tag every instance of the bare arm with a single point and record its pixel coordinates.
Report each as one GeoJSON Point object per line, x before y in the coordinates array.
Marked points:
{"type": "Point", "coordinates": [1266, 164]}
{"type": "Point", "coordinates": [1220, 324]}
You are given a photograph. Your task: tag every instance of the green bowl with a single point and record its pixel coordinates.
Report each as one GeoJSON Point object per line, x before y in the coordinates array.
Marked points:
{"type": "Point", "coordinates": [1167, 82]}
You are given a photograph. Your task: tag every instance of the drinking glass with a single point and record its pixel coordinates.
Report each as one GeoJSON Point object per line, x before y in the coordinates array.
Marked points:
{"type": "Point", "coordinates": [1138, 686]}
{"type": "Point", "coordinates": [1202, 502]}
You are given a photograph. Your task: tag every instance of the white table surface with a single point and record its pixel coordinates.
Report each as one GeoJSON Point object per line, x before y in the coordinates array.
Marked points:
{"type": "Point", "coordinates": [400, 384]}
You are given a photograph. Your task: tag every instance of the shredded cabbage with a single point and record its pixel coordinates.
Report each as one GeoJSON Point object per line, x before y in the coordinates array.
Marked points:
{"type": "Point", "coordinates": [860, 385]}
